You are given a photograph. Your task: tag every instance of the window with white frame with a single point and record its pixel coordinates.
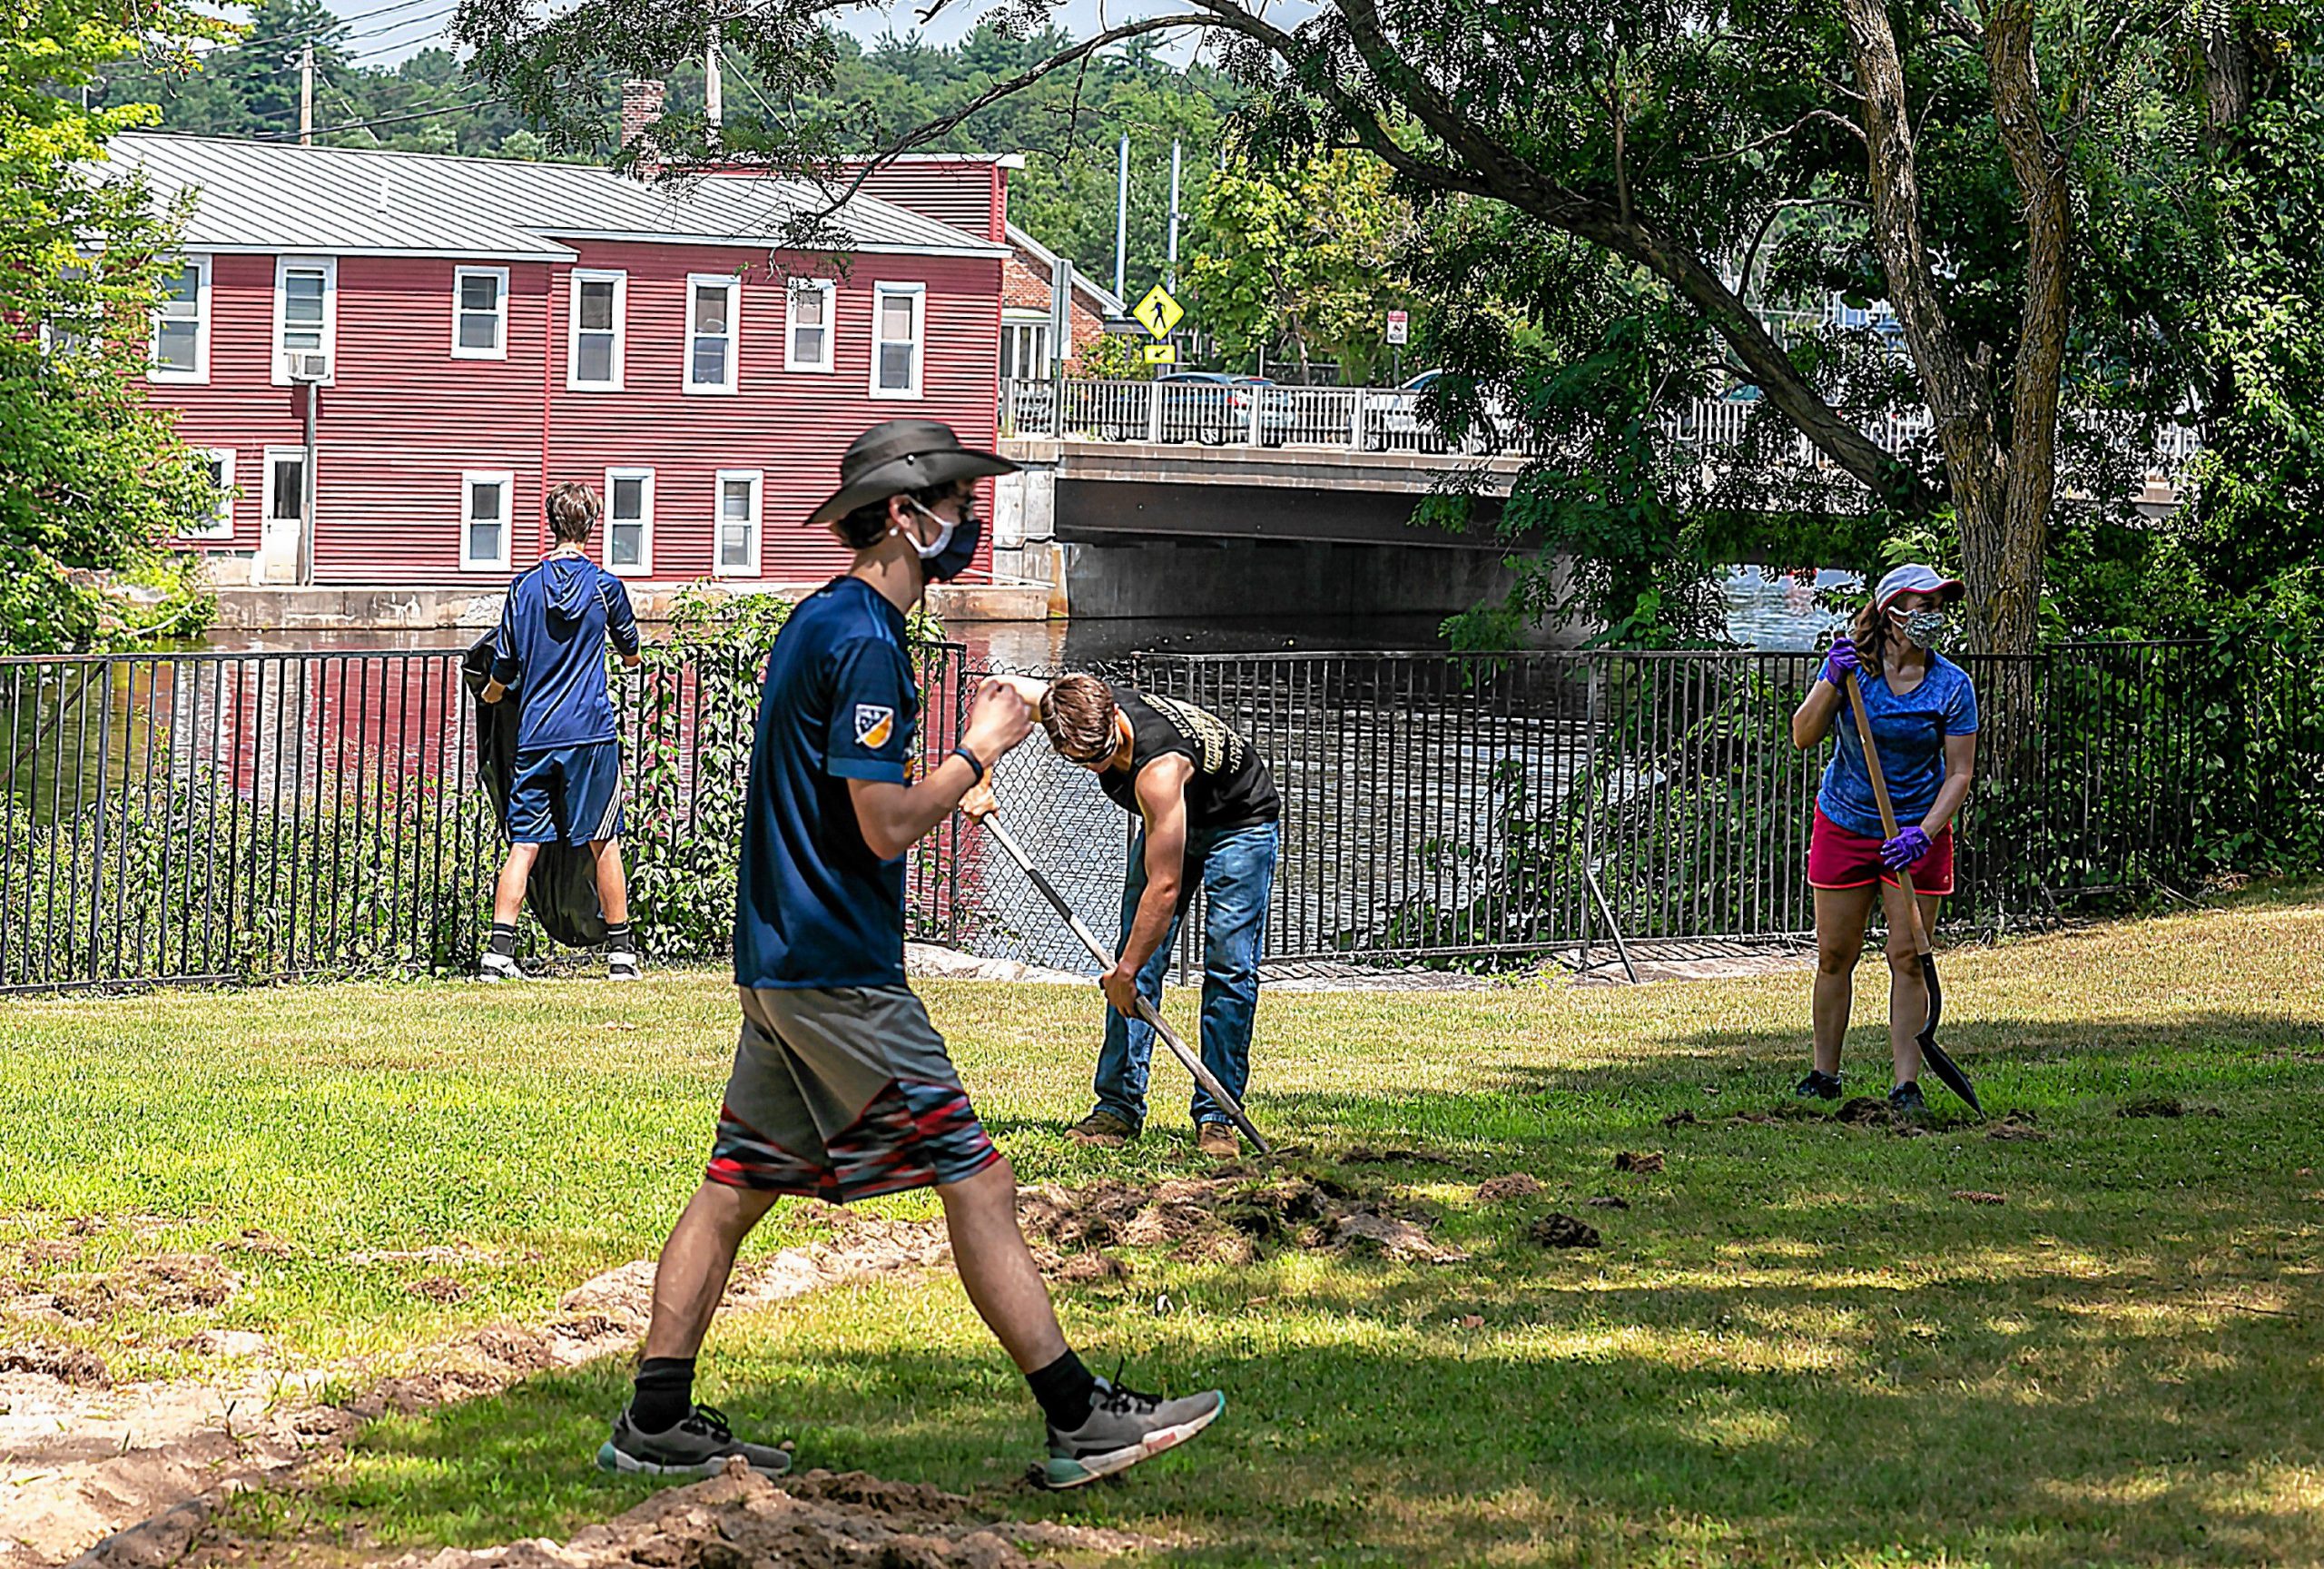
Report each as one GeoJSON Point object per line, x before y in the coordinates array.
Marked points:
{"type": "Point", "coordinates": [219, 462]}
{"type": "Point", "coordinates": [286, 484]}
{"type": "Point", "coordinates": [897, 314]}
{"type": "Point", "coordinates": [306, 312]}
{"type": "Point", "coordinates": [629, 522]}
{"type": "Point", "coordinates": [807, 334]}
{"type": "Point", "coordinates": [480, 314]}
{"type": "Point", "coordinates": [1024, 347]}
{"type": "Point", "coordinates": [181, 322]}
{"type": "Point", "coordinates": [486, 496]}
{"type": "Point", "coordinates": [737, 550]}
{"type": "Point", "coordinates": [711, 333]}
{"type": "Point", "coordinates": [593, 349]}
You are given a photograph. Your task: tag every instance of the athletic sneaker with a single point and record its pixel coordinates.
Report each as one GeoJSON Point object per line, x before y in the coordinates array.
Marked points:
{"type": "Point", "coordinates": [1906, 1100]}
{"type": "Point", "coordinates": [1218, 1140]}
{"type": "Point", "coordinates": [1818, 1086]}
{"type": "Point", "coordinates": [497, 967]}
{"type": "Point", "coordinates": [622, 965]}
{"type": "Point", "coordinates": [1103, 1128]}
{"type": "Point", "coordinates": [700, 1445]}
{"type": "Point", "coordinates": [1124, 1428]}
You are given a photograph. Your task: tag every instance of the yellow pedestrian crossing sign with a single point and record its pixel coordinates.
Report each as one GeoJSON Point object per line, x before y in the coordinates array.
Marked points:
{"type": "Point", "coordinates": [1158, 313]}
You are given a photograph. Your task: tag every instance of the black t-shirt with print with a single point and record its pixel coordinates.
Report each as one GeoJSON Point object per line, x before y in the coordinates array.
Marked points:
{"type": "Point", "coordinates": [1230, 786]}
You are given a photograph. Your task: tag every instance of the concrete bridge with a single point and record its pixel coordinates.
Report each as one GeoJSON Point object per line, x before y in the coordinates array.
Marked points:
{"type": "Point", "coordinates": [1210, 497]}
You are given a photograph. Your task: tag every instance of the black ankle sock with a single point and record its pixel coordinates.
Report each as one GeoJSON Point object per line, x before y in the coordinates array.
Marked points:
{"type": "Point", "coordinates": [504, 939]}
{"type": "Point", "coordinates": [664, 1394]}
{"type": "Point", "coordinates": [1066, 1390]}
{"type": "Point", "coordinates": [618, 940]}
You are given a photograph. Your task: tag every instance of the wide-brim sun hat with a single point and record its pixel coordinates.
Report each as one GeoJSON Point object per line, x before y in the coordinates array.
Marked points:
{"type": "Point", "coordinates": [1916, 578]}
{"type": "Point", "coordinates": [901, 455]}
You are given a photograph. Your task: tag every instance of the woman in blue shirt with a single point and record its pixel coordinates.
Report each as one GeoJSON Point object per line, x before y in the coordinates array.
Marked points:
{"type": "Point", "coordinates": [1924, 715]}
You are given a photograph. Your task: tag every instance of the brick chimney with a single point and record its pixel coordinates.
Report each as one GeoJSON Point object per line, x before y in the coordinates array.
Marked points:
{"type": "Point", "coordinates": [641, 106]}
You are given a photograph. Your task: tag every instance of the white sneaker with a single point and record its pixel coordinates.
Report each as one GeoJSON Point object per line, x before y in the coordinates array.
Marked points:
{"type": "Point", "coordinates": [497, 967]}
{"type": "Point", "coordinates": [622, 966]}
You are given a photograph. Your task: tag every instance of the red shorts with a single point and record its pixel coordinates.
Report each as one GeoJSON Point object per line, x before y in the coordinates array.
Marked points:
{"type": "Point", "coordinates": [1839, 859]}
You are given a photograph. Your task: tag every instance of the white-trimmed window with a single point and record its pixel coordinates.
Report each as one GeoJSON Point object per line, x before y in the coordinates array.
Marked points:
{"type": "Point", "coordinates": [219, 461]}
{"type": "Point", "coordinates": [807, 329]}
{"type": "Point", "coordinates": [286, 484]}
{"type": "Point", "coordinates": [899, 311]}
{"type": "Point", "coordinates": [1024, 347]}
{"type": "Point", "coordinates": [181, 322]}
{"type": "Point", "coordinates": [479, 312]}
{"type": "Point", "coordinates": [629, 522]}
{"type": "Point", "coordinates": [712, 332]}
{"type": "Point", "coordinates": [735, 550]}
{"type": "Point", "coordinates": [306, 313]}
{"type": "Point", "coordinates": [593, 346]}
{"type": "Point", "coordinates": [485, 497]}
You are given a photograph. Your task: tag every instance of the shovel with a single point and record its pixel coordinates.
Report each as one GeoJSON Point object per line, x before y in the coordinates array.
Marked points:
{"type": "Point", "coordinates": [1931, 1052]}
{"type": "Point", "coordinates": [1146, 1011]}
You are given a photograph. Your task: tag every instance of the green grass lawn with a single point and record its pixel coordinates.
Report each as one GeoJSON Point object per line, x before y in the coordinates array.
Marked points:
{"type": "Point", "coordinates": [1795, 1346]}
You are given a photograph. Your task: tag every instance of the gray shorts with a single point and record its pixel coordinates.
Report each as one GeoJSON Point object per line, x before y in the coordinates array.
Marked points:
{"type": "Point", "coordinates": [843, 1093]}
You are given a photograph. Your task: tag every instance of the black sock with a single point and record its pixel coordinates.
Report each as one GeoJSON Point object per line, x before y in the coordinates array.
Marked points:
{"type": "Point", "coordinates": [618, 940]}
{"type": "Point", "coordinates": [1066, 1390]}
{"type": "Point", "coordinates": [664, 1394]}
{"type": "Point", "coordinates": [504, 939]}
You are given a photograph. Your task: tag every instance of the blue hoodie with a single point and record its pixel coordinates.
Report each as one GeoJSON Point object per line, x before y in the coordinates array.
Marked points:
{"type": "Point", "coordinates": [550, 648]}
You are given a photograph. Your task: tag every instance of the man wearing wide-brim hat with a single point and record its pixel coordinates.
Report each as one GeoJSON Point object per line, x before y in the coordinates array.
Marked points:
{"type": "Point", "coordinates": [842, 1088]}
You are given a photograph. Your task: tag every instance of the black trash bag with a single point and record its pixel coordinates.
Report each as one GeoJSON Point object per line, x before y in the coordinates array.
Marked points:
{"type": "Point", "coordinates": [562, 893]}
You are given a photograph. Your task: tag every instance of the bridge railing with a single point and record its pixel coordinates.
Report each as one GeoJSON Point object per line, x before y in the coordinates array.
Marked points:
{"type": "Point", "coordinates": [1227, 411]}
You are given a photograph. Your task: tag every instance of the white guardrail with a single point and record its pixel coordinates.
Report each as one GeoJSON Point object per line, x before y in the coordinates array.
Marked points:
{"type": "Point", "coordinates": [1243, 412]}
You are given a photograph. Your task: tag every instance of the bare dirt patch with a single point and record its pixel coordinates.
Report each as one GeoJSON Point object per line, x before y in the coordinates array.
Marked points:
{"type": "Point", "coordinates": [1230, 1219]}
{"type": "Point", "coordinates": [1973, 1196]}
{"type": "Point", "coordinates": [1564, 1231]}
{"type": "Point", "coordinates": [72, 1365]}
{"type": "Point", "coordinates": [1513, 1185]}
{"type": "Point", "coordinates": [1641, 1164]}
{"type": "Point", "coordinates": [2017, 1127]}
{"type": "Point", "coordinates": [166, 1283]}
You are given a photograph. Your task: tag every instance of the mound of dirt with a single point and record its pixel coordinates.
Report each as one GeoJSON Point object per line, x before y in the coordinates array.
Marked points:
{"type": "Point", "coordinates": [1394, 1239]}
{"type": "Point", "coordinates": [1608, 1201]}
{"type": "Point", "coordinates": [74, 1365]}
{"type": "Point", "coordinates": [1973, 1196]}
{"type": "Point", "coordinates": [1630, 1160]}
{"type": "Point", "coordinates": [1515, 1185]}
{"type": "Point", "coordinates": [820, 1520]}
{"type": "Point", "coordinates": [1682, 1120]}
{"type": "Point", "coordinates": [441, 1289]}
{"type": "Point", "coordinates": [1228, 1219]}
{"type": "Point", "coordinates": [165, 1283]}
{"type": "Point", "coordinates": [1564, 1231]}
{"type": "Point", "coordinates": [2017, 1127]}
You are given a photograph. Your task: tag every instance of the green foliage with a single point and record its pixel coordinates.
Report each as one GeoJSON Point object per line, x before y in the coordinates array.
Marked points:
{"type": "Point", "coordinates": [91, 477]}
{"type": "Point", "coordinates": [1308, 257]}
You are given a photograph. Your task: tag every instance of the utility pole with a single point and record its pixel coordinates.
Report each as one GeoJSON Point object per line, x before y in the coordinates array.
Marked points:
{"type": "Point", "coordinates": [1122, 225]}
{"type": "Point", "coordinates": [306, 93]}
{"type": "Point", "coordinates": [713, 103]}
{"type": "Point", "coordinates": [1170, 273]}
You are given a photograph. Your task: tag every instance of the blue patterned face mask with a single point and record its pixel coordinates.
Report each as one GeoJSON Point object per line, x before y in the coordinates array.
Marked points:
{"type": "Point", "coordinates": [1927, 628]}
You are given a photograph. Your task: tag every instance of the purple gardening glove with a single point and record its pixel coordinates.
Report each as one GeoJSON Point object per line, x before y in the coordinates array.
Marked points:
{"type": "Point", "coordinates": [1905, 850]}
{"type": "Point", "coordinates": [1840, 661]}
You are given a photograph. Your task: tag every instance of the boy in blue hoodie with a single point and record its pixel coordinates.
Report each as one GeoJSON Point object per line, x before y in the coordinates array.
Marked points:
{"type": "Point", "coordinates": [549, 650]}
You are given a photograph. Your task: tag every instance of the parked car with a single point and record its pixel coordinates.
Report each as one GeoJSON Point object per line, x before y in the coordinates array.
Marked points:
{"type": "Point", "coordinates": [1400, 421]}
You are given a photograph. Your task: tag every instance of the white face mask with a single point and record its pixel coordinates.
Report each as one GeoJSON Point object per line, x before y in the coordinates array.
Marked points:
{"type": "Point", "coordinates": [944, 530]}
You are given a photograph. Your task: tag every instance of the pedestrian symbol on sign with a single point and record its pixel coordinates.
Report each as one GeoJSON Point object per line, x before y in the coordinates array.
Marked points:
{"type": "Point", "coordinates": [1158, 313]}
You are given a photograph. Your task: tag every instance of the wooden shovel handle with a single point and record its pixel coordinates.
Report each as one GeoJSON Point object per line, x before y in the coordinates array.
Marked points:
{"type": "Point", "coordinates": [1887, 812]}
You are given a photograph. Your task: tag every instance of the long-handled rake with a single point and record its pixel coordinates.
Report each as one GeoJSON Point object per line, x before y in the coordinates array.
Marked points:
{"type": "Point", "coordinates": [1931, 1052]}
{"type": "Point", "coordinates": [1146, 1011]}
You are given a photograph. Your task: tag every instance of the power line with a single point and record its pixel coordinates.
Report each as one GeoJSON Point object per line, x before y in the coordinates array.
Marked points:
{"type": "Point", "coordinates": [390, 119]}
{"type": "Point", "coordinates": [384, 10]}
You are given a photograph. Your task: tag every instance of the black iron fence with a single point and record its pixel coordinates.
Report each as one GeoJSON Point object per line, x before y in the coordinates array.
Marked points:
{"type": "Point", "coordinates": [187, 818]}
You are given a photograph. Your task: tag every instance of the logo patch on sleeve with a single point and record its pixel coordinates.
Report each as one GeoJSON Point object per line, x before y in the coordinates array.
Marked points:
{"type": "Point", "coordinates": [874, 724]}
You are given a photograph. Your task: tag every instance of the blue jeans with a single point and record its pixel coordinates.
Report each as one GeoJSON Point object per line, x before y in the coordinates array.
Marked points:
{"type": "Point", "coordinates": [1235, 867]}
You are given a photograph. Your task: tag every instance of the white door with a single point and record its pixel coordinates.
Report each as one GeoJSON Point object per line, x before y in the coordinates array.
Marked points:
{"type": "Point", "coordinates": [282, 518]}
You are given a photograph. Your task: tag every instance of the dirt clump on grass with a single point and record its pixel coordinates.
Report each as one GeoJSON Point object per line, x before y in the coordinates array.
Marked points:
{"type": "Point", "coordinates": [2154, 1105]}
{"type": "Point", "coordinates": [1513, 1185]}
{"type": "Point", "coordinates": [441, 1289]}
{"type": "Point", "coordinates": [1641, 1164]}
{"type": "Point", "coordinates": [2017, 1127]}
{"type": "Point", "coordinates": [1564, 1231]}
{"type": "Point", "coordinates": [1233, 1219]}
{"type": "Point", "coordinates": [820, 1520]}
{"type": "Point", "coordinates": [166, 1283]}
{"type": "Point", "coordinates": [74, 1365]}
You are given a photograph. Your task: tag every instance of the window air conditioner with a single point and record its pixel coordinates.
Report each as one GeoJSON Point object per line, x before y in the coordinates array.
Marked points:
{"type": "Point", "coordinates": [307, 365]}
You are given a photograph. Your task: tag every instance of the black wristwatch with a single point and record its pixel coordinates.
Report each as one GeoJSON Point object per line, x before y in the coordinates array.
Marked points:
{"type": "Point", "coordinates": [975, 762]}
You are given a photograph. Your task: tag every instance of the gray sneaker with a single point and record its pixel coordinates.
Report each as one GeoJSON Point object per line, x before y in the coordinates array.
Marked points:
{"type": "Point", "coordinates": [698, 1447]}
{"type": "Point", "coordinates": [493, 966]}
{"type": "Point", "coordinates": [1124, 1428]}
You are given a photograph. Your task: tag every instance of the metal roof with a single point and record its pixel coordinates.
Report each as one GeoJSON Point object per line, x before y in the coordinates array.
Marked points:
{"type": "Point", "coordinates": [276, 197]}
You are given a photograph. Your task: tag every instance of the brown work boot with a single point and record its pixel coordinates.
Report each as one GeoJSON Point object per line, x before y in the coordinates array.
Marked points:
{"type": "Point", "coordinates": [1218, 1140]}
{"type": "Point", "coordinates": [1103, 1128]}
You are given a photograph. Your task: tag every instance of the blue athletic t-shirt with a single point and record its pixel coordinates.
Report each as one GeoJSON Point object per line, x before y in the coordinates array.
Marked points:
{"type": "Point", "coordinates": [550, 648]}
{"type": "Point", "coordinates": [814, 906]}
{"type": "Point", "coordinates": [1910, 732]}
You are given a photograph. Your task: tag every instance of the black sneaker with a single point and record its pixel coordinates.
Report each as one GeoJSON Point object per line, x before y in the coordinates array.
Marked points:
{"type": "Point", "coordinates": [699, 1445]}
{"type": "Point", "coordinates": [1124, 1428]}
{"type": "Point", "coordinates": [1817, 1086]}
{"type": "Point", "coordinates": [1906, 1100]}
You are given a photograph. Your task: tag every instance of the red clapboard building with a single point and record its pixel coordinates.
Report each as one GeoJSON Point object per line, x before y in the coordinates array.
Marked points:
{"type": "Point", "coordinates": [475, 330]}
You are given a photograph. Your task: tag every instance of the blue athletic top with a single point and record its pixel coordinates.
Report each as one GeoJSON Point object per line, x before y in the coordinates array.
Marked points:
{"type": "Point", "coordinates": [1910, 732]}
{"type": "Point", "coordinates": [813, 905]}
{"type": "Point", "coordinates": [551, 649]}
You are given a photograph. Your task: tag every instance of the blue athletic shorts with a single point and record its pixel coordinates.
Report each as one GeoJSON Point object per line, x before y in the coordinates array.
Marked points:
{"type": "Point", "coordinates": [567, 795]}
